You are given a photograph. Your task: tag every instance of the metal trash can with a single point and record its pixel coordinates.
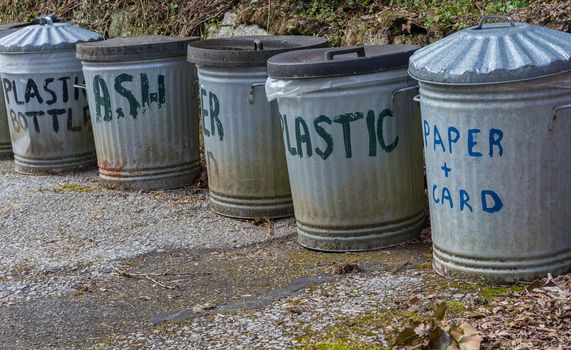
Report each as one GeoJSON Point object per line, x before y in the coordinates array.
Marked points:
{"type": "Point", "coordinates": [5, 143]}
{"type": "Point", "coordinates": [247, 174]}
{"type": "Point", "coordinates": [496, 114]}
{"type": "Point", "coordinates": [145, 122]}
{"type": "Point", "coordinates": [48, 117]}
{"type": "Point", "coordinates": [353, 145]}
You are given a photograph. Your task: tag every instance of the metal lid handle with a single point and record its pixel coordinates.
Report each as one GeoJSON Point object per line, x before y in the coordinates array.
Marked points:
{"type": "Point", "coordinates": [48, 19]}
{"type": "Point", "coordinates": [486, 18]}
{"type": "Point", "coordinates": [329, 54]}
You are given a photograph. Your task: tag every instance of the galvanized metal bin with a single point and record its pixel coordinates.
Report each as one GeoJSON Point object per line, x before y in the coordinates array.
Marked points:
{"type": "Point", "coordinates": [247, 174]}
{"type": "Point", "coordinates": [353, 145]}
{"type": "Point", "coordinates": [496, 114]}
{"type": "Point", "coordinates": [5, 143]}
{"type": "Point", "coordinates": [48, 117]}
{"type": "Point", "coordinates": [145, 121]}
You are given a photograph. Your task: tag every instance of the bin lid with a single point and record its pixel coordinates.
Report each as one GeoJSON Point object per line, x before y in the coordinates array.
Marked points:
{"type": "Point", "coordinates": [341, 61]}
{"type": "Point", "coordinates": [145, 47]}
{"type": "Point", "coordinates": [9, 28]}
{"type": "Point", "coordinates": [493, 53]}
{"type": "Point", "coordinates": [247, 51]}
{"type": "Point", "coordinates": [11, 25]}
{"type": "Point", "coordinates": [46, 34]}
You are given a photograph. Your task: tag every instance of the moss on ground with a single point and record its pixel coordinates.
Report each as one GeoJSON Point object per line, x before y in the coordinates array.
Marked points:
{"type": "Point", "coordinates": [490, 293]}
{"type": "Point", "coordinates": [72, 187]}
{"type": "Point", "coordinates": [455, 307]}
{"type": "Point", "coordinates": [367, 331]}
{"type": "Point", "coordinates": [487, 292]}
{"type": "Point", "coordinates": [344, 345]}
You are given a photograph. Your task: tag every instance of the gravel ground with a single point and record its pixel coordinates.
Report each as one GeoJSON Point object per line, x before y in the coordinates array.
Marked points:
{"type": "Point", "coordinates": [51, 223]}
{"type": "Point", "coordinates": [285, 323]}
{"type": "Point", "coordinates": [73, 225]}
{"type": "Point", "coordinates": [63, 238]}
{"type": "Point", "coordinates": [83, 266]}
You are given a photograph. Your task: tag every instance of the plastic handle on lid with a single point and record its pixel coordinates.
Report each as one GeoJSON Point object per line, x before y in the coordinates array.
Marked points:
{"type": "Point", "coordinates": [486, 18]}
{"type": "Point", "coordinates": [258, 45]}
{"type": "Point", "coordinates": [332, 53]}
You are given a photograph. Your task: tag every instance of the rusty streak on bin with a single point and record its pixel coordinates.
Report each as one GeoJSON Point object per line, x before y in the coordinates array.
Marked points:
{"type": "Point", "coordinates": [145, 121]}
{"type": "Point", "coordinates": [247, 173]}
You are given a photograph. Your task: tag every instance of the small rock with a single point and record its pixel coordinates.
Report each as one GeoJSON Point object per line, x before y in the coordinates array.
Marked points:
{"type": "Point", "coordinates": [198, 308]}
{"type": "Point", "coordinates": [343, 269]}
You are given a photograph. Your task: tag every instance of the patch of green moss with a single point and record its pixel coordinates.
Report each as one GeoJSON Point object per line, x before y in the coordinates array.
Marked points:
{"type": "Point", "coordinates": [336, 345]}
{"type": "Point", "coordinates": [348, 332]}
{"type": "Point", "coordinates": [344, 345]}
{"type": "Point", "coordinates": [455, 307]}
{"type": "Point", "coordinates": [388, 17]}
{"type": "Point", "coordinates": [490, 293]}
{"type": "Point", "coordinates": [410, 315]}
{"type": "Point", "coordinates": [487, 292]}
{"type": "Point", "coordinates": [71, 187]}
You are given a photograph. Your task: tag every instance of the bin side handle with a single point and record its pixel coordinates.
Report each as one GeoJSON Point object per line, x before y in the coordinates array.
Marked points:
{"type": "Point", "coordinates": [403, 90]}
{"type": "Point", "coordinates": [410, 109]}
{"type": "Point", "coordinates": [554, 115]}
{"type": "Point", "coordinates": [252, 90]}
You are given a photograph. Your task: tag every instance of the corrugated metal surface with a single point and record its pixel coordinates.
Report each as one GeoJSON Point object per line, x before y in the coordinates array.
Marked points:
{"type": "Point", "coordinates": [247, 173]}
{"type": "Point", "coordinates": [46, 37]}
{"type": "Point", "coordinates": [495, 53]}
{"type": "Point", "coordinates": [351, 191]}
{"type": "Point", "coordinates": [152, 141]}
{"type": "Point", "coordinates": [48, 118]}
{"type": "Point", "coordinates": [498, 179]}
{"type": "Point", "coordinates": [5, 143]}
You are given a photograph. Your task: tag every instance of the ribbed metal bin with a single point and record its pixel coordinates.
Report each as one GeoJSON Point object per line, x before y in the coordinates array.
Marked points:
{"type": "Point", "coordinates": [247, 174]}
{"type": "Point", "coordinates": [5, 142]}
{"type": "Point", "coordinates": [496, 113]}
{"type": "Point", "coordinates": [145, 121]}
{"type": "Point", "coordinates": [353, 145]}
{"type": "Point", "coordinates": [48, 117]}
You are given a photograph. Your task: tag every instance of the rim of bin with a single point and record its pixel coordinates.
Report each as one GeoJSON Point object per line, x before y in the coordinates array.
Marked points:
{"type": "Point", "coordinates": [341, 61]}
{"type": "Point", "coordinates": [144, 47]}
{"type": "Point", "coordinates": [9, 28]}
{"type": "Point", "coordinates": [13, 25]}
{"type": "Point", "coordinates": [248, 51]}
